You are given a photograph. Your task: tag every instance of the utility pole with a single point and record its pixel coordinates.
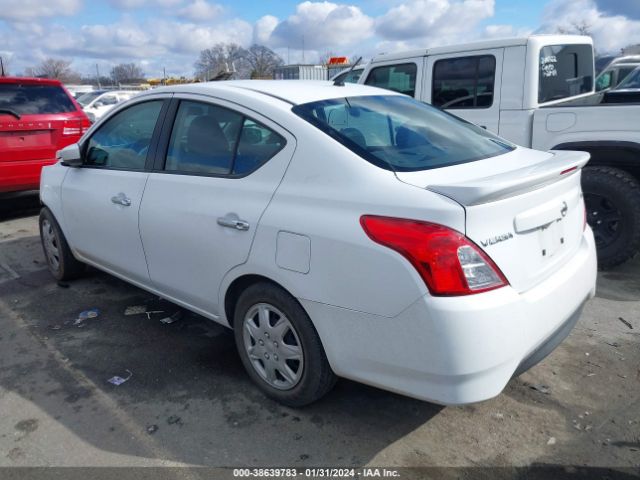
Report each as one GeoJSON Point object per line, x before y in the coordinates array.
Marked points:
{"type": "Point", "coordinates": [164, 76]}
{"type": "Point", "coordinates": [98, 76]}
{"type": "Point", "coordinates": [302, 48]}
{"type": "Point", "coordinates": [288, 56]}
{"type": "Point", "coordinates": [1, 67]}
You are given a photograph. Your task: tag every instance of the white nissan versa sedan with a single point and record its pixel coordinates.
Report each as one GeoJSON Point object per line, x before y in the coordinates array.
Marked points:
{"type": "Point", "coordinates": [339, 230]}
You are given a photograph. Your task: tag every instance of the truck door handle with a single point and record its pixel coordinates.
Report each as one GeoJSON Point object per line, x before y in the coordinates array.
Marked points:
{"type": "Point", "coordinates": [121, 199]}
{"type": "Point", "coordinates": [233, 222]}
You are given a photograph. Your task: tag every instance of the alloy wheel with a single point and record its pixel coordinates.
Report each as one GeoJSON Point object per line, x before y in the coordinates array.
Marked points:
{"type": "Point", "coordinates": [604, 218]}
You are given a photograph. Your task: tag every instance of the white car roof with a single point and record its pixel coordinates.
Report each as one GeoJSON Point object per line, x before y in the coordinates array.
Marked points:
{"type": "Point", "coordinates": [294, 92]}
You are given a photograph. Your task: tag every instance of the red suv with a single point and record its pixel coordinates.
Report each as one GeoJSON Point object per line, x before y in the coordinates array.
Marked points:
{"type": "Point", "coordinates": [37, 118]}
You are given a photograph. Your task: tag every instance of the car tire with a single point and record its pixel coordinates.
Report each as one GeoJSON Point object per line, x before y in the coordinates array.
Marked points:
{"type": "Point", "coordinates": [612, 199]}
{"type": "Point", "coordinates": [280, 377]}
{"type": "Point", "coordinates": [61, 262]}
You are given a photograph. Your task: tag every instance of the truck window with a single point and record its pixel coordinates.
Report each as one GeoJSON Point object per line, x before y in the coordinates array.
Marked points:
{"type": "Point", "coordinates": [565, 71]}
{"type": "Point", "coordinates": [464, 82]}
{"type": "Point", "coordinates": [399, 78]}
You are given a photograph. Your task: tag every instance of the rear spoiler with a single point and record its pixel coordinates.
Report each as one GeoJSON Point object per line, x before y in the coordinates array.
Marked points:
{"type": "Point", "coordinates": [508, 184]}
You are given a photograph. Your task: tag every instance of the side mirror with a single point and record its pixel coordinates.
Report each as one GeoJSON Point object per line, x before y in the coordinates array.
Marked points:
{"type": "Point", "coordinates": [70, 156]}
{"type": "Point", "coordinates": [98, 104]}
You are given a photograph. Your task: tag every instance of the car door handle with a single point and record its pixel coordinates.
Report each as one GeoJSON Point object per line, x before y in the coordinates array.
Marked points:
{"type": "Point", "coordinates": [234, 223]}
{"type": "Point", "coordinates": [121, 199]}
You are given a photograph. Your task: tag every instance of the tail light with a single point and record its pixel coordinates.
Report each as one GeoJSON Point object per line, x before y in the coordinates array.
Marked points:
{"type": "Point", "coordinates": [75, 127]}
{"type": "Point", "coordinates": [448, 262]}
{"type": "Point", "coordinates": [71, 130]}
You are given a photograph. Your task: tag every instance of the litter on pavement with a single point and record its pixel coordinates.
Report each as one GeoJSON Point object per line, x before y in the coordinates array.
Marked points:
{"type": "Point", "coordinates": [92, 313]}
{"type": "Point", "coordinates": [116, 380]}
{"type": "Point", "coordinates": [541, 388]}
{"type": "Point", "coordinates": [135, 310]}
{"type": "Point", "coordinates": [151, 429]}
{"type": "Point", "coordinates": [172, 318]}
{"type": "Point", "coordinates": [625, 322]}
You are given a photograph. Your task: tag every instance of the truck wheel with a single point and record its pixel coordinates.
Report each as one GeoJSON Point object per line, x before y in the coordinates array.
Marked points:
{"type": "Point", "coordinates": [61, 262]}
{"type": "Point", "coordinates": [279, 346]}
{"type": "Point", "coordinates": [612, 199]}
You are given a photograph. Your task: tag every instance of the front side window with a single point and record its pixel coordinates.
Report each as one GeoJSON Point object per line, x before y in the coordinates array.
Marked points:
{"type": "Point", "coordinates": [564, 71]}
{"type": "Point", "coordinates": [631, 80]}
{"type": "Point", "coordinates": [464, 82]}
{"type": "Point", "coordinates": [123, 141]}
{"type": "Point", "coordinates": [401, 134]}
{"type": "Point", "coordinates": [604, 80]}
{"type": "Point", "coordinates": [399, 78]}
{"type": "Point", "coordinates": [26, 99]}
{"type": "Point", "coordinates": [623, 73]}
{"type": "Point", "coordinates": [209, 139]}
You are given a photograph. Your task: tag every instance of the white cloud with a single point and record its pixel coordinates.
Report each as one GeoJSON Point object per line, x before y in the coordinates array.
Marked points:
{"type": "Point", "coordinates": [263, 28]}
{"type": "Point", "coordinates": [433, 19]}
{"type": "Point", "coordinates": [200, 11]}
{"type": "Point", "coordinates": [132, 4]}
{"type": "Point", "coordinates": [321, 25]}
{"type": "Point", "coordinates": [21, 10]}
{"type": "Point", "coordinates": [505, 31]}
{"type": "Point", "coordinates": [610, 32]}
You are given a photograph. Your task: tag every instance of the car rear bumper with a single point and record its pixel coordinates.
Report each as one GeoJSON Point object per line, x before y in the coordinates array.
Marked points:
{"type": "Point", "coordinates": [22, 174]}
{"type": "Point", "coordinates": [458, 350]}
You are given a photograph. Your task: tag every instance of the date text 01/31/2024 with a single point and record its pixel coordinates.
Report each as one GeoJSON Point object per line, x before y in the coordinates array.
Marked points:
{"type": "Point", "coordinates": [316, 472]}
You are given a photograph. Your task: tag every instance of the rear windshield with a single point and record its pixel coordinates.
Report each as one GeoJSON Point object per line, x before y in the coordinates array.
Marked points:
{"type": "Point", "coordinates": [34, 99]}
{"type": "Point", "coordinates": [86, 98]}
{"type": "Point", "coordinates": [401, 134]}
{"type": "Point", "coordinates": [565, 71]}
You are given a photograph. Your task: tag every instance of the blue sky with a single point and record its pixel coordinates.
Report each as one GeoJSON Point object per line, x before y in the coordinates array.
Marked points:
{"type": "Point", "coordinates": [169, 34]}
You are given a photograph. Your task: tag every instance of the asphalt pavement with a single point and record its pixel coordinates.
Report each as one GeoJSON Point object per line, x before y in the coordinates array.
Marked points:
{"type": "Point", "coordinates": [187, 400]}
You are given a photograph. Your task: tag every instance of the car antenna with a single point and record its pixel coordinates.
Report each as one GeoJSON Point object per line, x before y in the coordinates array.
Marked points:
{"type": "Point", "coordinates": [340, 83]}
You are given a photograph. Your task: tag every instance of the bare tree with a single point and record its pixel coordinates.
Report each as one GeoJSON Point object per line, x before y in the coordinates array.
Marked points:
{"type": "Point", "coordinates": [575, 28]}
{"type": "Point", "coordinates": [323, 58]}
{"type": "Point", "coordinates": [223, 57]}
{"type": "Point", "coordinates": [127, 73]}
{"type": "Point", "coordinates": [262, 60]}
{"type": "Point", "coordinates": [57, 68]}
{"type": "Point", "coordinates": [6, 64]}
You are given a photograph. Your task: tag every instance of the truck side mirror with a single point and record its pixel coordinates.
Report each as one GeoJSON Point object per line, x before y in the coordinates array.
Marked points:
{"type": "Point", "coordinates": [70, 156]}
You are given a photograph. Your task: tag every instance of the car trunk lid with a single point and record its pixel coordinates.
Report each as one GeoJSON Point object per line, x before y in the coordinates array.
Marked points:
{"type": "Point", "coordinates": [38, 137]}
{"type": "Point", "coordinates": [524, 209]}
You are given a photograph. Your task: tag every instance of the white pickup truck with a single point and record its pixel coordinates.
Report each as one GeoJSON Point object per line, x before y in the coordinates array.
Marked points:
{"type": "Point", "coordinates": [537, 92]}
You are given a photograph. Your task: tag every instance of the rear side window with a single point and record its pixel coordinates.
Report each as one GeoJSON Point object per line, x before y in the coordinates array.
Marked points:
{"type": "Point", "coordinates": [108, 99]}
{"type": "Point", "coordinates": [25, 99]}
{"type": "Point", "coordinates": [122, 142]}
{"type": "Point", "coordinates": [565, 71]}
{"type": "Point", "coordinates": [464, 82]}
{"type": "Point", "coordinates": [208, 139]}
{"type": "Point", "coordinates": [399, 78]}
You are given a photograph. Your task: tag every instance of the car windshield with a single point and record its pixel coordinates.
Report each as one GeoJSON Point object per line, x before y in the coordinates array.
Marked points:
{"type": "Point", "coordinates": [87, 98]}
{"type": "Point", "coordinates": [631, 81]}
{"type": "Point", "coordinates": [398, 133]}
{"type": "Point", "coordinates": [25, 99]}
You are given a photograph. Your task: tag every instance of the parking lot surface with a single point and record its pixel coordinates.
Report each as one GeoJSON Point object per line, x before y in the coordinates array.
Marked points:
{"type": "Point", "coordinates": [188, 401]}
